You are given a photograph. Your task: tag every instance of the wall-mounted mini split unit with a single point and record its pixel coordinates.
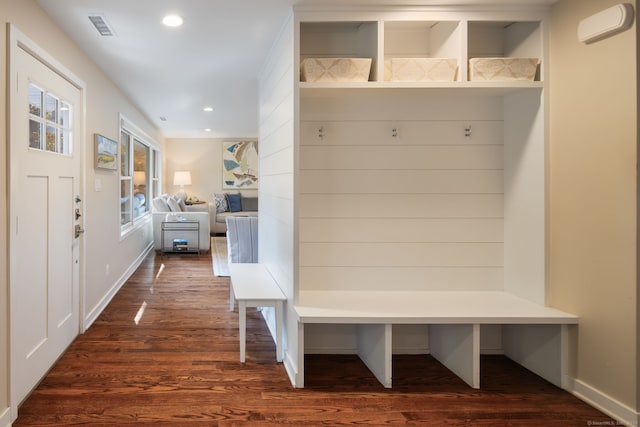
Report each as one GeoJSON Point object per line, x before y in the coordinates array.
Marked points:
{"type": "Point", "coordinates": [606, 23]}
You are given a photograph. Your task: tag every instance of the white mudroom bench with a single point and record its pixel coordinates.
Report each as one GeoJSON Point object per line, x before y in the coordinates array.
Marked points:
{"type": "Point", "coordinates": [252, 285]}
{"type": "Point", "coordinates": [533, 335]}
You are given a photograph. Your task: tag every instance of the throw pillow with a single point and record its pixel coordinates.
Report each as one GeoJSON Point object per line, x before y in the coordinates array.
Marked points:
{"type": "Point", "coordinates": [138, 200]}
{"type": "Point", "coordinates": [221, 202]}
{"type": "Point", "coordinates": [235, 202]}
{"type": "Point", "coordinates": [182, 204]}
{"type": "Point", "coordinates": [160, 205]}
{"type": "Point", "coordinates": [174, 206]}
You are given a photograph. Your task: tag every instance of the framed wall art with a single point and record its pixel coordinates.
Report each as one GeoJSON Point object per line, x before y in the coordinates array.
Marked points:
{"type": "Point", "coordinates": [106, 153]}
{"type": "Point", "coordinates": [240, 164]}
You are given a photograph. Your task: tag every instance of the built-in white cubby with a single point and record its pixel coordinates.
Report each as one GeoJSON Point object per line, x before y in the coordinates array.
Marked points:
{"type": "Point", "coordinates": [504, 39]}
{"type": "Point", "coordinates": [431, 39]}
{"type": "Point", "coordinates": [340, 40]}
{"type": "Point", "coordinates": [383, 40]}
{"type": "Point", "coordinates": [422, 39]}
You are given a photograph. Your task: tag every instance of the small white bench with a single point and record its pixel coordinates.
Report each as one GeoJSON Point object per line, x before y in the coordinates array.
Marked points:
{"type": "Point", "coordinates": [253, 286]}
{"type": "Point", "coordinates": [535, 336]}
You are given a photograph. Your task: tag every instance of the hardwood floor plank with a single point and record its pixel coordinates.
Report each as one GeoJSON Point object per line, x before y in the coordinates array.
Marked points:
{"type": "Point", "coordinates": [175, 362]}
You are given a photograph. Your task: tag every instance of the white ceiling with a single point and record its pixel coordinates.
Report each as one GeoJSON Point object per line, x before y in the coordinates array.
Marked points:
{"type": "Point", "coordinates": [213, 59]}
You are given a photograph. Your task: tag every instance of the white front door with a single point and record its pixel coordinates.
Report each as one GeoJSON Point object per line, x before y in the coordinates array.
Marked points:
{"type": "Point", "coordinates": [44, 170]}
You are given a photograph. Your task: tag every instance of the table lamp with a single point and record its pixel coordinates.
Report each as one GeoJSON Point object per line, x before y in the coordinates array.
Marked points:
{"type": "Point", "coordinates": [182, 178]}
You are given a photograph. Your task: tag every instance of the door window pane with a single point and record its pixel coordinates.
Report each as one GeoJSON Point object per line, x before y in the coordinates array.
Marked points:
{"type": "Point", "coordinates": [65, 115]}
{"type": "Point", "coordinates": [52, 130]}
{"type": "Point", "coordinates": [35, 134]}
{"type": "Point", "coordinates": [52, 136]}
{"type": "Point", "coordinates": [52, 108]}
{"type": "Point", "coordinates": [35, 100]}
{"type": "Point", "coordinates": [65, 142]}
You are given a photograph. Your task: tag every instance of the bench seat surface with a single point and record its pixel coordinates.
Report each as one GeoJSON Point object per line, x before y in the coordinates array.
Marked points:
{"type": "Point", "coordinates": [433, 307]}
{"type": "Point", "coordinates": [254, 282]}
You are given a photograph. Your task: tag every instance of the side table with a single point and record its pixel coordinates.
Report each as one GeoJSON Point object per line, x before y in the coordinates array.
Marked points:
{"type": "Point", "coordinates": [177, 232]}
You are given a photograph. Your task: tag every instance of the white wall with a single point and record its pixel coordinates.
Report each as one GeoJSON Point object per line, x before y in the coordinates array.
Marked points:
{"type": "Point", "coordinates": [593, 196]}
{"type": "Point", "coordinates": [102, 243]}
{"type": "Point", "coordinates": [277, 181]}
{"type": "Point", "coordinates": [203, 157]}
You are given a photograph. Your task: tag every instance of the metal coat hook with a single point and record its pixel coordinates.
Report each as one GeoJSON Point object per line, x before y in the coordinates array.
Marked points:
{"type": "Point", "coordinates": [394, 132]}
{"type": "Point", "coordinates": [467, 131]}
{"type": "Point", "coordinates": [321, 132]}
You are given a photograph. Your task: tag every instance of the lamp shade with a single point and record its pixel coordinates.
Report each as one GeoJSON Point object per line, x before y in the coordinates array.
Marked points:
{"type": "Point", "coordinates": [182, 178]}
{"type": "Point", "coordinates": [139, 177]}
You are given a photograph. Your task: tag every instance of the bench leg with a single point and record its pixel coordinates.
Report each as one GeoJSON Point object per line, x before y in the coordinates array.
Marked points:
{"type": "Point", "coordinates": [458, 348]}
{"type": "Point", "coordinates": [231, 297]}
{"type": "Point", "coordinates": [540, 348]}
{"type": "Point", "coordinates": [300, 368]}
{"type": "Point", "coordinates": [242, 314]}
{"type": "Point", "coordinates": [374, 349]}
{"type": "Point", "coordinates": [278, 306]}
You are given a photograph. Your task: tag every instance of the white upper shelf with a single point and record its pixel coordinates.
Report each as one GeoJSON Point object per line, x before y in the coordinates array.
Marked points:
{"type": "Point", "coordinates": [468, 88]}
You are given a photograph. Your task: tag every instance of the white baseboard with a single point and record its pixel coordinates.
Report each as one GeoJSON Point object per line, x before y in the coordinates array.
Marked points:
{"type": "Point", "coordinates": [599, 400]}
{"type": "Point", "coordinates": [330, 350]}
{"type": "Point", "coordinates": [102, 304]}
{"type": "Point", "coordinates": [291, 368]}
{"type": "Point", "coordinates": [5, 418]}
{"type": "Point", "coordinates": [413, 351]}
{"type": "Point", "coordinates": [396, 350]}
{"type": "Point", "coordinates": [488, 351]}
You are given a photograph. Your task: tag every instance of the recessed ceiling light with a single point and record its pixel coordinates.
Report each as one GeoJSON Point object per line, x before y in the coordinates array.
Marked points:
{"type": "Point", "coordinates": [172, 20]}
{"type": "Point", "coordinates": [207, 130]}
{"type": "Point", "coordinates": [208, 109]}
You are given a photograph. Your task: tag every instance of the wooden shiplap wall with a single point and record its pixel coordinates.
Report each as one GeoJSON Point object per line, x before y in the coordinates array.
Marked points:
{"type": "Point", "coordinates": [394, 196]}
{"type": "Point", "coordinates": [276, 194]}
{"type": "Point", "coordinates": [276, 150]}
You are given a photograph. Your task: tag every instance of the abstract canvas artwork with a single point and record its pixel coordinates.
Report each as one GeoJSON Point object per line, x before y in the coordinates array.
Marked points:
{"type": "Point", "coordinates": [240, 164]}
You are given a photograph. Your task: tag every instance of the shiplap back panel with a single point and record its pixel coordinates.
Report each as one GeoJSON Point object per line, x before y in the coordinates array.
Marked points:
{"type": "Point", "coordinates": [419, 132]}
{"type": "Point", "coordinates": [394, 196]}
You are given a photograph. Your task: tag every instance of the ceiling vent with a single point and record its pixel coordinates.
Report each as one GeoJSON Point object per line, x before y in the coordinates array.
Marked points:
{"type": "Point", "coordinates": [101, 24]}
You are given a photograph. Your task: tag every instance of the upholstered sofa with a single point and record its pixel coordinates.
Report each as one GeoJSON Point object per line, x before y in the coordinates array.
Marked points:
{"type": "Point", "coordinates": [221, 209]}
{"type": "Point", "coordinates": [166, 204]}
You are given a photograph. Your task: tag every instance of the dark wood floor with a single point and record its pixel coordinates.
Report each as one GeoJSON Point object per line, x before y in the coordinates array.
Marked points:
{"type": "Point", "coordinates": [178, 366]}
